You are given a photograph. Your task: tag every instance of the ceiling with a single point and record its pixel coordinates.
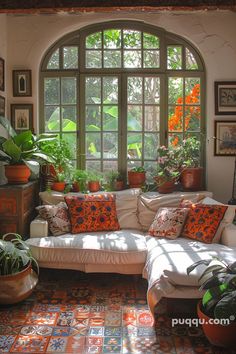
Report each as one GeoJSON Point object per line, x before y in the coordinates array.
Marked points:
{"type": "Point", "coordinates": [74, 6]}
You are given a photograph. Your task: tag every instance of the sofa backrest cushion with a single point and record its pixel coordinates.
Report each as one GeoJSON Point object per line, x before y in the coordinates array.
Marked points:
{"type": "Point", "coordinates": [92, 213]}
{"type": "Point", "coordinates": [149, 203]}
{"type": "Point", "coordinates": [126, 204]}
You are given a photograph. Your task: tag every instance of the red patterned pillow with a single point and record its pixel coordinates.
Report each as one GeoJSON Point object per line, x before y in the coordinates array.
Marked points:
{"type": "Point", "coordinates": [203, 222]}
{"type": "Point", "coordinates": [92, 213]}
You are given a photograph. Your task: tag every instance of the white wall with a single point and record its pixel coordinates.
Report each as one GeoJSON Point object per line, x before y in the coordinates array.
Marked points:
{"type": "Point", "coordinates": [212, 32]}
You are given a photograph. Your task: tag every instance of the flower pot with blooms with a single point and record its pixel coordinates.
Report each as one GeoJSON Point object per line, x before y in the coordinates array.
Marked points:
{"type": "Point", "coordinates": [192, 174]}
{"type": "Point", "coordinates": [168, 169]}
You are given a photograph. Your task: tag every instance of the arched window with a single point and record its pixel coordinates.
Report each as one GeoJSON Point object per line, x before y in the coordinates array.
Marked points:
{"type": "Point", "coordinates": [118, 90]}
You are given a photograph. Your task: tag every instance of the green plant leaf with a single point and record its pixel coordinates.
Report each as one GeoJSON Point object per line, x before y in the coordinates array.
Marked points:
{"type": "Point", "coordinates": [11, 149]}
{"type": "Point", "coordinates": [7, 125]}
{"type": "Point", "coordinates": [226, 307]}
{"type": "Point", "coordinates": [196, 264]}
{"type": "Point", "coordinates": [22, 138]}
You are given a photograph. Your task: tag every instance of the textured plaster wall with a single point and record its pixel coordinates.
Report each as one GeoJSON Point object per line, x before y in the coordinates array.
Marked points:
{"type": "Point", "coordinates": [212, 32]}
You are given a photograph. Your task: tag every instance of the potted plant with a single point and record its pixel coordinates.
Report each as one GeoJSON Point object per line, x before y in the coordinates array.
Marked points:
{"type": "Point", "coordinates": [79, 180]}
{"type": "Point", "coordinates": [137, 177]}
{"type": "Point", "coordinates": [168, 168]}
{"type": "Point", "coordinates": [22, 153]}
{"type": "Point", "coordinates": [59, 183]}
{"type": "Point", "coordinates": [192, 174]}
{"type": "Point", "coordinates": [114, 181]}
{"type": "Point", "coordinates": [217, 309]}
{"type": "Point", "coordinates": [94, 181]}
{"type": "Point", "coordinates": [18, 269]}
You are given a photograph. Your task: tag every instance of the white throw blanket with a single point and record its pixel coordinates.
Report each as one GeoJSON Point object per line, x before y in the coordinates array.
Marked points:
{"type": "Point", "coordinates": [167, 262]}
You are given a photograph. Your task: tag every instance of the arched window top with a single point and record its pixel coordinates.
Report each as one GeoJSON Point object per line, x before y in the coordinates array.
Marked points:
{"type": "Point", "coordinates": [121, 46]}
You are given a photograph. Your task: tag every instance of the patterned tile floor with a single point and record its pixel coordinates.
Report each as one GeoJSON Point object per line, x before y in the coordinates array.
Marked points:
{"type": "Point", "coordinates": [72, 312]}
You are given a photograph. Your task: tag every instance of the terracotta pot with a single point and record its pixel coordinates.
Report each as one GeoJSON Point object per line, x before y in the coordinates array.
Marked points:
{"type": "Point", "coordinates": [17, 287]}
{"type": "Point", "coordinates": [191, 178]}
{"type": "Point", "coordinates": [93, 186]}
{"type": "Point", "coordinates": [118, 185]}
{"type": "Point", "coordinates": [164, 187]}
{"type": "Point", "coordinates": [217, 334]}
{"type": "Point", "coordinates": [136, 179]}
{"type": "Point", "coordinates": [58, 186]}
{"type": "Point", "coordinates": [17, 174]}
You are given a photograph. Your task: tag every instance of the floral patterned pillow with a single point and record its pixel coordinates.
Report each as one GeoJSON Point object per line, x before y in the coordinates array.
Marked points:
{"type": "Point", "coordinates": [203, 222]}
{"type": "Point", "coordinates": [57, 218]}
{"type": "Point", "coordinates": [92, 213]}
{"type": "Point", "coordinates": [168, 222]}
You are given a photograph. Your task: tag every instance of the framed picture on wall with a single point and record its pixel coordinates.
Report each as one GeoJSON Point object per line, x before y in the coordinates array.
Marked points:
{"type": "Point", "coordinates": [2, 106]}
{"type": "Point", "coordinates": [22, 85]}
{"type": "Point", "coordinates": [22, 117]}
{"type": "Point", "coordinates": [2, 74]}
{"type": "Point", "coordinates": [225, 138]}
{"type": "Point", "coordinates": [225, 97]}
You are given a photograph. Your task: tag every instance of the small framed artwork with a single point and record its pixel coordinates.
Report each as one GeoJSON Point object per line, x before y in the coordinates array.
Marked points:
{"type": "Point", "coordinates": [2, 74]}
{"type": "Point", "coordinates": [22, 117]}
{"type": "Point", "coordinates": [22, 85]}
{"type": "Point", "coordinates": [2, 106]}
{"type": "Point", "coordinates": [225, 138]}
{"type": "Point", "coordinates": [225, 97]}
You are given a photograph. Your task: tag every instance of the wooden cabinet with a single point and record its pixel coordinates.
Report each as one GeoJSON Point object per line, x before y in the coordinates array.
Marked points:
{"type": "Point", "coordinates": [17, 207]}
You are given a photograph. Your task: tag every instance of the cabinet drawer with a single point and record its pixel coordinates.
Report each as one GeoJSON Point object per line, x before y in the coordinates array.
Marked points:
{"type": "Point", "coordinates": [8, 204]}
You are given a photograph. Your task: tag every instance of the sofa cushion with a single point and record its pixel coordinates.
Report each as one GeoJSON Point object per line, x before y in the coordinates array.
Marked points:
{"type": "Point", "coordinates": [57, 218]}
{"type": "Point", "coordinates": [92, 213]}
{"type": "Point", "coordinates": [168, 222]}
{"type": "Point", "coordinates": [113, 247]}
{"type": "Point", "coordinates": [126, 205]}
{"type": "Point", "coordinates": [203, 222]}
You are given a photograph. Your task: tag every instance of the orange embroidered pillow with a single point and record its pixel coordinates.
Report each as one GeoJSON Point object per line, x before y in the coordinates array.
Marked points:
{"type": "Point", "coordinates": [203, 221]}
{"type": "Point", "coordinates": [92, 213]}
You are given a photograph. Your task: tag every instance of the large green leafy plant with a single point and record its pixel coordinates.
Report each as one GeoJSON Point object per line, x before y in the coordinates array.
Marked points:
{"type": "Point", "coordinates": [15, 255]}
{"type": "Point", "coordinates": [23, 148]}
{"type": "Point", "coordinates": [190, 152]}
{"type": "Point", "coordinates": [219, 281]}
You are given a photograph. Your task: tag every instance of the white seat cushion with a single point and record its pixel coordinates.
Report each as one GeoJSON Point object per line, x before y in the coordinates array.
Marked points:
{"type": "Point", "coordinates": [113, 247]}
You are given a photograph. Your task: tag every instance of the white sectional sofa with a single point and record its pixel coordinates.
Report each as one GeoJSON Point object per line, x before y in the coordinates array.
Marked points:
{"type": "Point", "coordinates": [131, 250]}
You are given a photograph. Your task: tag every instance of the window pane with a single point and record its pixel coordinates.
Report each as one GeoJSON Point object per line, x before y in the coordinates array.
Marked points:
{"type": "Point", "coordinates": [151, 143]}
{"type": "Point", "coordinates": [110, 145]}
{"type": "Point", "coordinates": [152, 90]}
{"type": "Point", "coordinates": [134, 117]}
{"type": "Point", "coordinates": [69, 118]}
{"type": "Point", "coordinates": [192, 90]}
{"type": "Point", "coordinates": [150, 41]}
{"type": "Point", "coordinates": [191, 63]}
{"type": "Point", "coordinates": [110, 117]}
{"type": "Point", "coordinates": [53, 62]}
{"type": "Point", "coordinates": [175, 139]}
{"type": "Point", "coordinates": [112, 59]}
{"type": "Point", "coordinates": [112, 38]}
{"type": "Point", "coordinates": [175, 118]}
{"type": "Point", "coordinates": [93, 166]}
{"type": "Point", "coordinates": [110, 165]}
{"type": "Point", "coordinates": [70, 57]}
{"type": "Point", "coordinates": [93, 90]}
{"type": "Point", "coordinates": [151, 58]}
{"type": "Point", "coordinates": [93, 145]}
{"type": "Point", "coordinates": [175, 90]}
{"type": "Point", "coordinates": [192, 118]}
{"type": "Point", "coordinates": [151, 167]}
{"type": "Point", "coordinates": [93, 59]}
{"type": "Point", "coordinates": [132, 59]}
{"type": "Point", "coordinates": [134, 146]}
{"type": "Point", "coordinates": [134, 163]}
{"type": "Point", "coordinates": [132, 39]}
{"type": "Point", "coordinates": [93, 118]}
{"type": "Point", "coordinates": [52, 118]}
{"type": "Point", "coordinates": [110, 90]}
{"type": "Point", "coordinates": [94, 40]}
{"type": "Point", "coordinates": [72, 141]}
{"type": "Point", "coordinates": [174, 57]}
{"type": "Point", "coordinates": [52, 91]}
{"type": "Point", "coordinates": [68, 90]}
{"type": "Point", "coordinates": [152, 118]}
{"type": "Point", "coordinates": [135, 90]}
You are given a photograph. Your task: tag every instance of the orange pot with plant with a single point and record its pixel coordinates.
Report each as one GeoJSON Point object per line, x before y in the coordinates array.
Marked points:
{"type": "Point", "coordinates": [59, 183]}
{"type": "Point", "coordinates": [137, 177]}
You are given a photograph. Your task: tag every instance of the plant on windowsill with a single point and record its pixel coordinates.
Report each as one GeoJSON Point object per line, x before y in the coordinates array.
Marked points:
{"type": "Point", "coordinates": [168, 169]}
{"type": "Point", "coordinates": [219, 301]}
{"type": "Point", "coordinates": [191, 174]}
{"type": "Point", "coordinates": [114, 181]}
{"type": "Point", "coordinates": [18, 269]}
{"type": "Point", "coordinates": [137, 177]}
{"type": "Point", "coordinates": [22, 152]}
{"type": "Point", "coordinates": [59, 183]}
{"type": "Point", "coordinates": [79, 180]}
{"type": "Point", "coordinates": [94, 181]}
